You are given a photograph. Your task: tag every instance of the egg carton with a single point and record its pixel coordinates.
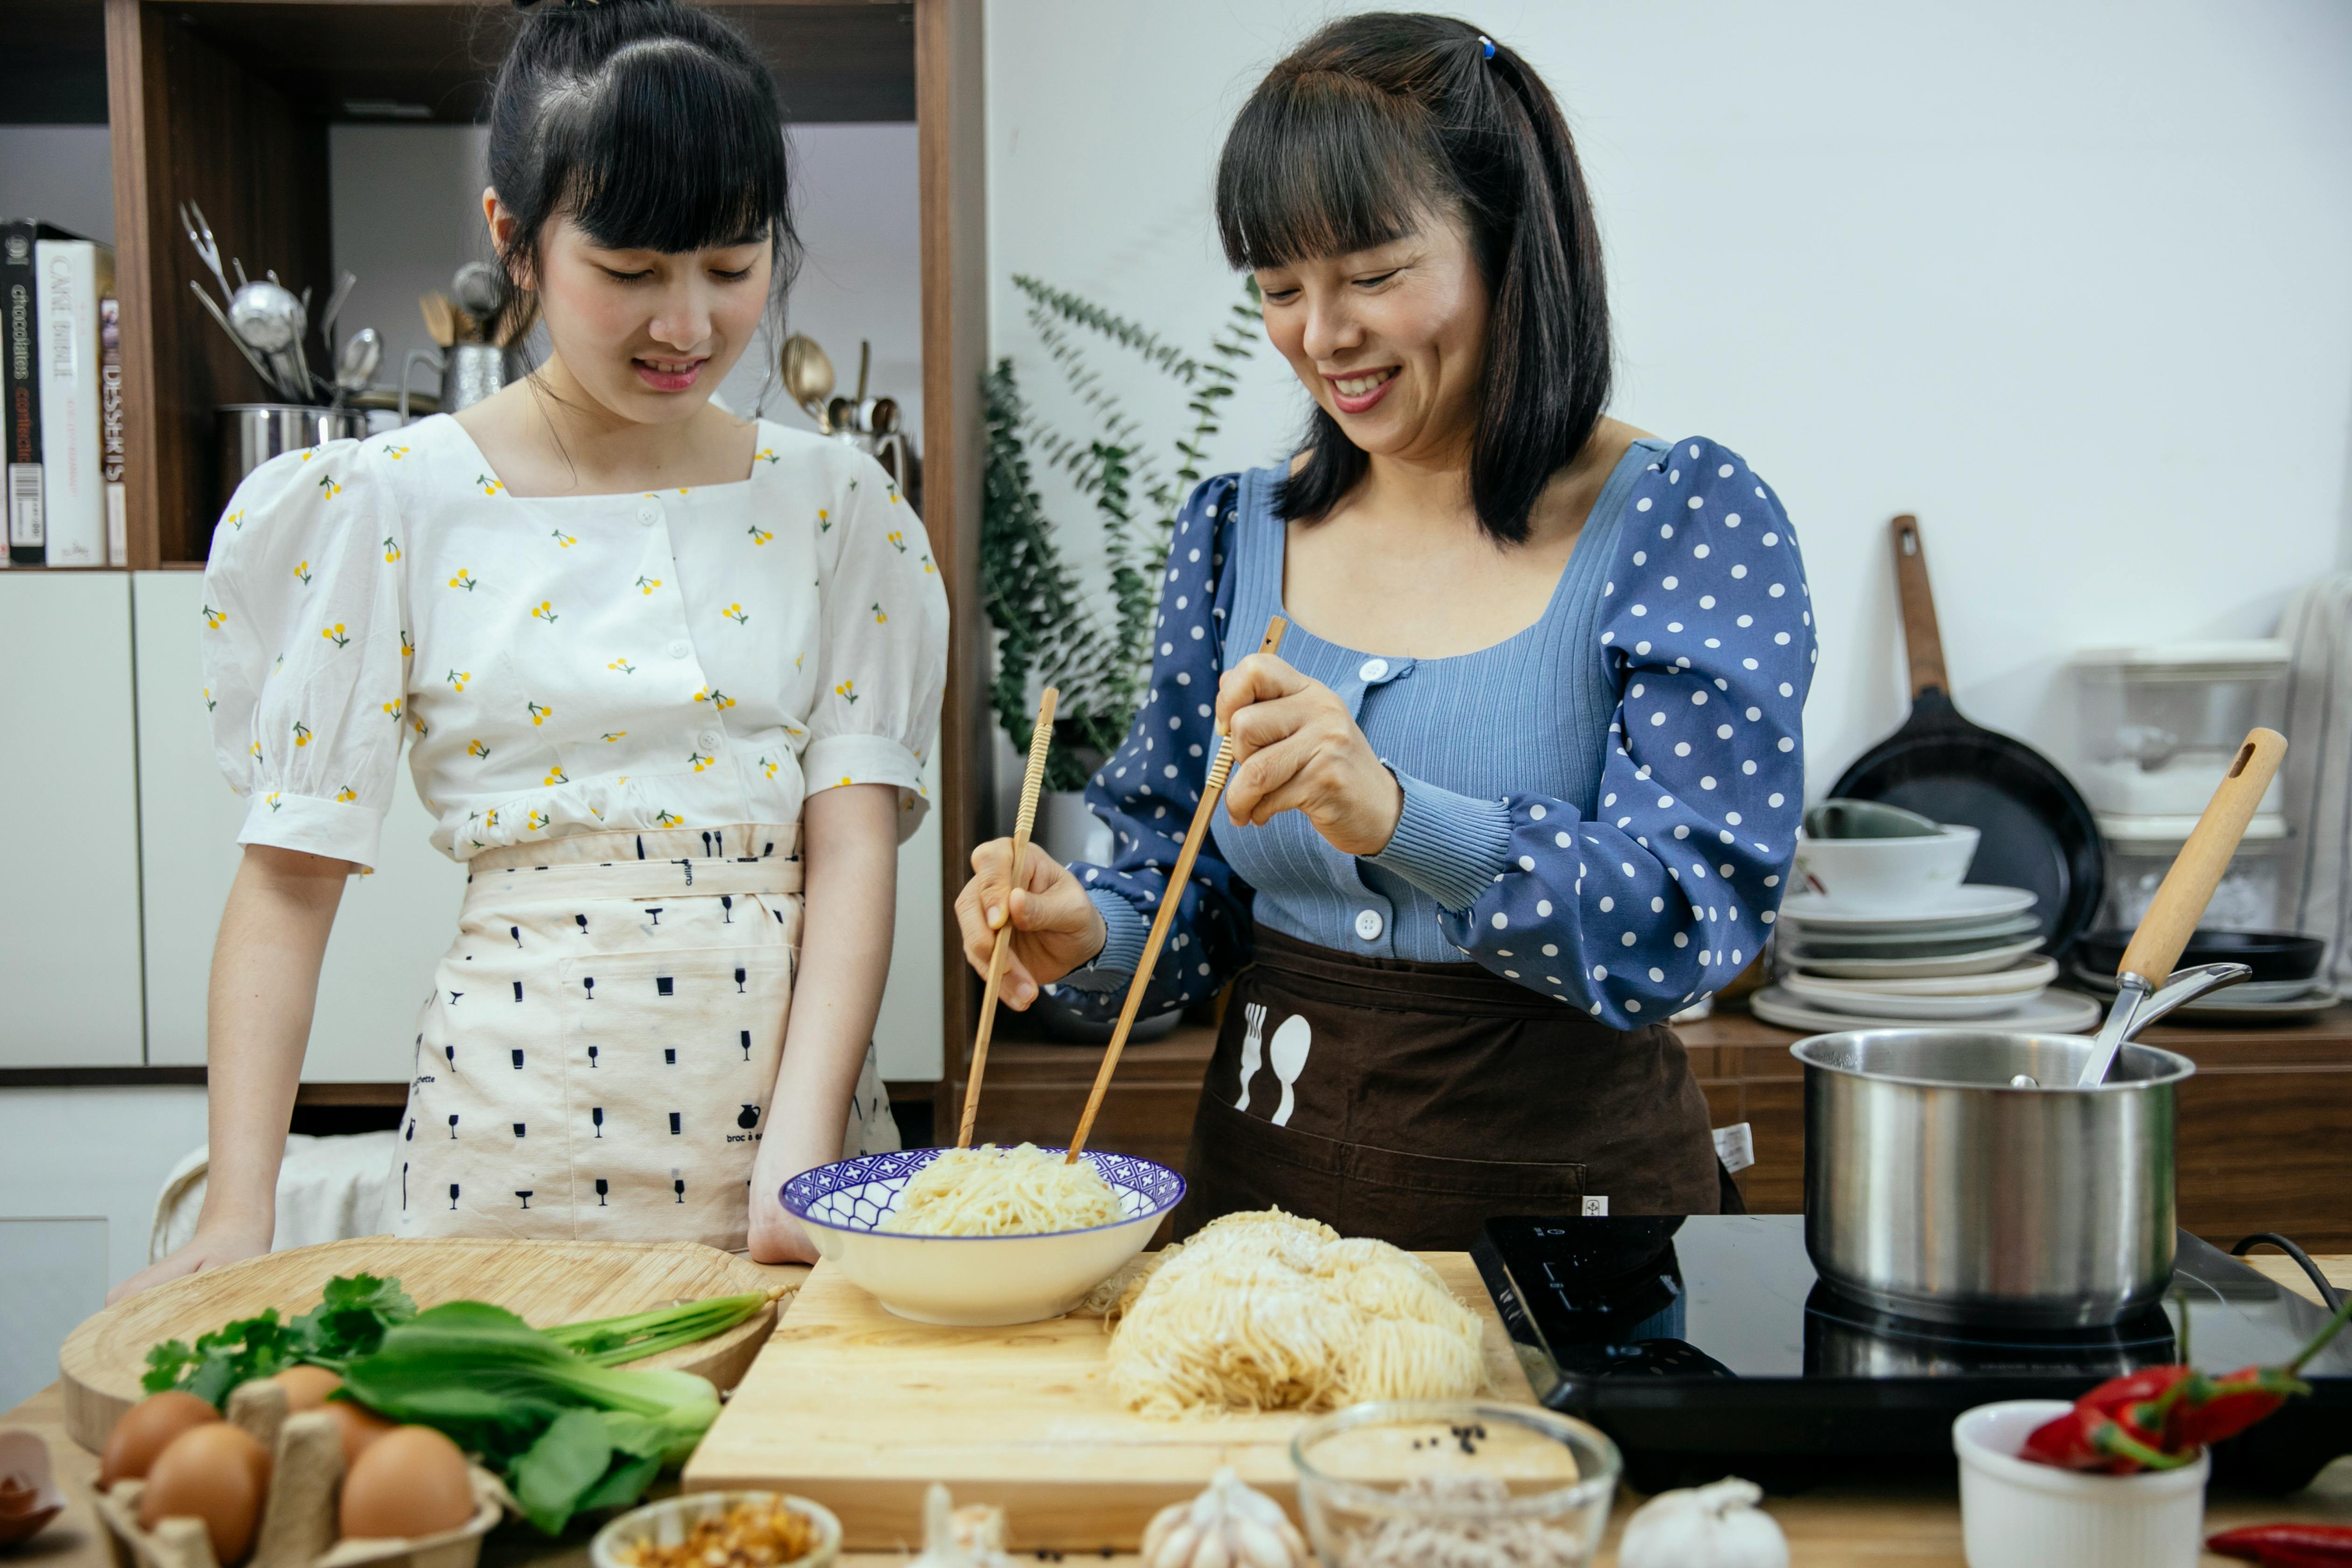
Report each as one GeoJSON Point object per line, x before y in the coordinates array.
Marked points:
{"type": "Point", "coordinates": [297, 1523]}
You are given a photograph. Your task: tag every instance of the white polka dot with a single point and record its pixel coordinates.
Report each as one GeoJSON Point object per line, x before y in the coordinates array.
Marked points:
{"type": "Point", "coordinates": [1205, 711]}
{"type": "Point", "coordinates": [1682, 939]}
{"type": "Point", "coordinates": [1682, 748]}
{"type": "Point", "coordinates": [1775, 798]}
{"type": "Point", "coordinates": [1787, 690]}
{"type": "Point", "coordinates": [1632, 1005]}
{"type": "Point", "coordinates": [1675, 626]}
{"type": "Point", "coordinates": [1183, 678]}
{"type": "Point", "coordinates": [1560, 839]}
{"type": "Point", "coordinates": [1656, 974]}
{"type": "Point", "coordinates": [1773, 880]}
{"type": "Point", "coordinates": [1725, 834]}
{"type": "Point", "coordinates": [1740, 571]}
{"type": "Point", "coordinates": [1732, 817]}
{"type": "Point", "coordinates": [1771, 538]}
{"type": "Point", "coordinates": [1698, 698]}
{"type": "Point", "coordinates": [1626, 867]}
{"type": "Point", "coordinates": [1170, 769]}
{"type": "Point", "coordinates": [1682, 830]}
{"type": "Point", "coordinates": [1608, 904]}
{"type": "Point", "coordinates": [1736, 957]}
{"type": "Point", "coordinates": [1194, 556]}
{"type": "Point", "coordinates": [1744, 664]}
{"type": "Point", "coordinates": [1781, 638]}
{"type": "Point", "coordinates": [1599, 972]}
{"type": "Point", "coordinates": [1705, 601]}
{"type": "Point", "coordinates": [1511, 973]}
{"type": "Point", "coordinates": [1658, 906]}
{"type": "Point", "coordinates": [1776, 590]}
{"type": "Point", "coordinates": [1723, 731]}
{"type": "Point", "coordinates": [1786, 744]}
{"type": "Point", "coordinates": [1607, 637]}
{"type": "Point", "coordinates": [1751, 767]}
{"type": "Point", "coordinates": [1665, 531]}
{"type": "Point", "coordinates": [1641, 558]}
{"type": "Point", "coordinates": [1641, 505]}
{"type": "Point", "coordinates": [1550, 952]}
{"type": "Point", "coordinates": [1543, 908]}
{"type": "Point", "coordinates": [1697, 502]}
{"type": "Point", "coordinates": [1642, 647]}
{"type": "Point", "coordinates": [1536, 811]}
{"type": "Point", "coordinates": [1723, 472]}
{"type": "Point", "coordinates": [1657, 719]}
{"type": "Point", "coordinates": [1627, 939]}
{"type": "Point", "coordinates": [1527, 862]}
{"type": "Point", "coordinates": [1769, 916]}
{"type": "Point", "coordinates": [1183, 600]}
{"type": "Point", "coordinates": [1754, 714]}
{"type": "Point", "coordinates": [1501, 920]}
{"type": "Point", "coordinates": [1731, 520]}
{"type": "Point", "coordinates": [1167, 648]}
{"type": "Point", "coordinates": [1671, 582]}
{"type": "Point", "coordinates": [1674, 476]}
{"type": "Point", "coordinates": [1693, 448]}
{"type": "Point", "coordinates": [1699, 552]}
{"type": "Point", "coordinates": [1745, 621]}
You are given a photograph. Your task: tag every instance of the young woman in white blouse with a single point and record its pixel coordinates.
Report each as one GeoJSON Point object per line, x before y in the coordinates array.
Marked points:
{"type": "Point", "coordinates": [666, 675]}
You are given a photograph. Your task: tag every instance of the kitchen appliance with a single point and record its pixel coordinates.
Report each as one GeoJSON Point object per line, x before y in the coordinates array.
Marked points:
{"type": "Point", "coordinates": [2038, 833]}
{"type": "Point", "coordinates": [1710, 1345]}
{"type": "Point", "coordinates": [251, 434]}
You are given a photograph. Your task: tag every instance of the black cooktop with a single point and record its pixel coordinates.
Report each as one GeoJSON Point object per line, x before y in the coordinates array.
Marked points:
{"type": "Point", "coordinates": [1708, 1345]}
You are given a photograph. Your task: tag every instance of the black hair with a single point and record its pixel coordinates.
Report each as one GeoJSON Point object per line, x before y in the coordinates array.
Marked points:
{"type": "Point", "coordinates": [653, 125]}
{"type": "Point", "coordinates": [1378, 123]}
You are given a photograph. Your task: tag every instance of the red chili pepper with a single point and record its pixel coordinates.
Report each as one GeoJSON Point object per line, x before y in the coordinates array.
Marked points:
{"type": "Point", "coordinates": [2119, 1426]}
{"type": "Point", "coordinates": [2286, 1545]}
{"type": "Point", "coordinates": [2220, 1407]}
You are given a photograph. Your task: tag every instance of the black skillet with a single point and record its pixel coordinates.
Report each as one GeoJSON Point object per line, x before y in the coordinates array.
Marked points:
{"type": "Point", "coordinates": [2038, 833]}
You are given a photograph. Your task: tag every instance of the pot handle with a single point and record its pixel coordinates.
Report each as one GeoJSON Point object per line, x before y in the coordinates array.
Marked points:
{"type": "Point", "coordinates": [2197, 870]}
{"type": "Point", "coordinates": [1923, 644]}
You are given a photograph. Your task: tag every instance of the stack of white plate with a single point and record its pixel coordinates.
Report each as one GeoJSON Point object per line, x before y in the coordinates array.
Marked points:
{"type": "Point", "coordinates": [1956, 954]}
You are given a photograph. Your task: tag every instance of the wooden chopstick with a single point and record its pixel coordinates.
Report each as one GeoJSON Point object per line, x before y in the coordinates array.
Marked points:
{"type": "Point", "coordinates": [1220, 768]}
{"type": "Point", "coordinates": [1041, 739]}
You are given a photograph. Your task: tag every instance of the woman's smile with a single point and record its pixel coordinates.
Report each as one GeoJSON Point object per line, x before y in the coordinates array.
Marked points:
{"type": "Point", "coordinates": [1356, 391]}
{"type": "Point", "coordinates": [668, 374]}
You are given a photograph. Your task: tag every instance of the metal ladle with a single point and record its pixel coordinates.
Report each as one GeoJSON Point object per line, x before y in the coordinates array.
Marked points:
{"type": "Point", "coordinates": [2171, 918]}
{"type": "Point", "coordinates": [808, 378]}
{"type": "Point", "coordinates": [356, 366]}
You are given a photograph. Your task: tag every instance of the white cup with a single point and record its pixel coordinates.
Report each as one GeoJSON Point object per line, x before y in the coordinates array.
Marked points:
{"type": "Point", "coordinates": [1895, 875]}
{"type": "Point", "coordinates": [2015, 1514]}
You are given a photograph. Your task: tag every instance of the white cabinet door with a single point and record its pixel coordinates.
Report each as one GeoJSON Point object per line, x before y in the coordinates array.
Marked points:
{"type": "Point", "coordinates": [69, 945]}
{"type": "Point", "coordinates": [907, 1045]}
{"type": "Point", "coordinates": [392, 927]}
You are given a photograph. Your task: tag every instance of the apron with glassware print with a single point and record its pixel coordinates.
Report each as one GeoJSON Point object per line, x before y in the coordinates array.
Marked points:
{"type": "Point", "coordinates": [598, 1054]}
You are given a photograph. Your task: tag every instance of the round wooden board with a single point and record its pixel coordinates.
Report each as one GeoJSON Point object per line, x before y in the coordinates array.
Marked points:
{"type": "Point", "coordinates": [546, 1282]}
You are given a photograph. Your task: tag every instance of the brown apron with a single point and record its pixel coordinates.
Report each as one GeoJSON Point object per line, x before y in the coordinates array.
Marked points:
{"type": "Point", "coordinates": [1413, 1101]}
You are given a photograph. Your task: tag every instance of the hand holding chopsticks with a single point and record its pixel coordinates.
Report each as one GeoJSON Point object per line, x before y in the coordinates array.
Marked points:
{"type": "Point", "coordinates": [1041, 739]}
{"type": "Point", "coordinates": [1220, 769]}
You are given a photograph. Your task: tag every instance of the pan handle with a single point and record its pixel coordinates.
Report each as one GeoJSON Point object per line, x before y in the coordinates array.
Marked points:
{"type": "Point", "coordinates": [1921, 640]}
{"type": "Point", "coordinates": [2180, 902]}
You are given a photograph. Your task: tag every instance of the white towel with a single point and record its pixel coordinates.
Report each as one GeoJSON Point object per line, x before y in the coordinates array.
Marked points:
{"type": "Point", "coordinates": [328, 1189]}
{"type": "Point", "coordinates": [2316, 899]}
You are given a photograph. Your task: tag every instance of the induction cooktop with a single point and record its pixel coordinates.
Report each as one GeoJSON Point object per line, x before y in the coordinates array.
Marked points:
{"type": "Point", "coordinates": [1708, 1345]}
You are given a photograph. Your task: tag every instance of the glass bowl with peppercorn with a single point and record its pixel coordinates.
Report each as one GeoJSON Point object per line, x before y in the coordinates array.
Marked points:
{"type": "Point", "coordinates": [1404, 1483]}
{"type": "Point", "coordinates": [720, 1530]}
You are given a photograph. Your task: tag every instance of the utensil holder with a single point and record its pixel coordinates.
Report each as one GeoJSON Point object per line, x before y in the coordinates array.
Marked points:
{"type": "Point", "coordinates": [251, 434]}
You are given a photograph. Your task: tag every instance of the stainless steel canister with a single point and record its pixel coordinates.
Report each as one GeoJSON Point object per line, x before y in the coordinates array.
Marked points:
{"type": "Point", "coordinates": [1935, 1190]}
{"type": "Point", "coordinates": [252, 433]}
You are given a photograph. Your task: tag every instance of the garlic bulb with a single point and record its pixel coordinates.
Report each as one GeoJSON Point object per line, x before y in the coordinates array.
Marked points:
{"type": "Point", "coordinates": [1716, 1526]}
{"type": "Point", "coordinates": [955, 1537]}
{"type": "Point", "coordinates": [1227, 1526]}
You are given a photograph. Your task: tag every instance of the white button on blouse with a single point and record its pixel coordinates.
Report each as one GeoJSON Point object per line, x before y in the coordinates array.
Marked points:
{"type": "Point", "coordinates": [1367, 924]}
{"type": "Point", "coordinates": [364, 593]}
{"type": "Point", "coordinates": [1373, 669]}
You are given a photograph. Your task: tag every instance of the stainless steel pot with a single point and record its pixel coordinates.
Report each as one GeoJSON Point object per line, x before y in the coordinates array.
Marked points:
{"type": "Point", "coordinates": [1934, 1190]}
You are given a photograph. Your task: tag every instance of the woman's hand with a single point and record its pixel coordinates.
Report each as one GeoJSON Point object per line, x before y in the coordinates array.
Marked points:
{"type": "Point", "coordinates": [1055, 927]}
{"type": "Point", "coordinates": [212, 1247]}
{"type": "Point", "coordinates": [1297, 748]}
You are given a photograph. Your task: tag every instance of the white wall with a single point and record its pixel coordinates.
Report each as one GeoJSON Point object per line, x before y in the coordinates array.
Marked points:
{"type": "Point", "coordinates": [2072, 282]}
{"type": "Point", "coordinates": [407, 213]}
{"type": "Point", "coordinates": [62, 174]}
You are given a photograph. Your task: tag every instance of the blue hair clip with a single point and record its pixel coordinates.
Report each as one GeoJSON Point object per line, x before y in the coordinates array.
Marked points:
{"type": "Point", "coordinates": [1489, 44]}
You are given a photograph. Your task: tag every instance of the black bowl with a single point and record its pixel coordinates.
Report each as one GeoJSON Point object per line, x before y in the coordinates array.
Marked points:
{"type": "Point", "coordinates": [2272, 954]}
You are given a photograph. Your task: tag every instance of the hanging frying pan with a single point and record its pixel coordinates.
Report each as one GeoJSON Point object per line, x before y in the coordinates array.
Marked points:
{"type": "Point", "coordinates": [2038, 833]}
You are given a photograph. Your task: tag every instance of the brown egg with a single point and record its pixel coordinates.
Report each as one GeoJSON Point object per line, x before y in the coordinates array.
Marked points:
{"type": "Point", "coordinates": [307, 1386]}
{"type": "Point", "coordinates": [358, 1426]}
{"type": "Point", "coordinates": [217, 1473]}
{"type": "Point", "coordinates": [412, 1482]}
{"type": "Point", "coordinates": [144, 1430]}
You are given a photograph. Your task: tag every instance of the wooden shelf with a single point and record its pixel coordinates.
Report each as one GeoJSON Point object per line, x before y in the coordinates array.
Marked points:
{"type": "Point", "coordinates": [2264, 1126]}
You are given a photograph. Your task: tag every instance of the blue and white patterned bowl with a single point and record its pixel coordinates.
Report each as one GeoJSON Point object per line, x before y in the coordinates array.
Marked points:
{"type": "Point", "coordinates": [972, 1281]}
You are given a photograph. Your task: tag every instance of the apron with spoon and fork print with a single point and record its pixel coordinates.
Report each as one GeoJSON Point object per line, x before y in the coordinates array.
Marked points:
{"type": "Point", "coordinates": [1414, 1102]}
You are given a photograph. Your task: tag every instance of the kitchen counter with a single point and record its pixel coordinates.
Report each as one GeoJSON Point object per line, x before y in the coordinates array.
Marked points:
{"type": "Point", "coordinates": [1875, 1526]}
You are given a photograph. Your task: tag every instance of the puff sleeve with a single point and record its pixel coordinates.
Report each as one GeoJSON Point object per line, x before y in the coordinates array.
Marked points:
{"type": "Point", "coordinates": [305, 650]}
{"type": "Point", "coordinates": [883, 652]}
{"type": "Point", "coordinates": [1667, 890]}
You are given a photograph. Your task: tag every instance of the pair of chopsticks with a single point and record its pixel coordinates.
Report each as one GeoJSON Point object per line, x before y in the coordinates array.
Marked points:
{"type": "Point", "coordinates": [1220, 768]}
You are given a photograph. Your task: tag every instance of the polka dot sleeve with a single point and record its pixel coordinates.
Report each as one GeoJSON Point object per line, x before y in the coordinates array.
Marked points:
{"type": "Point", "coordinates": [1667, 891]}
{"type": "Point", "coordinates": [1148, 791]}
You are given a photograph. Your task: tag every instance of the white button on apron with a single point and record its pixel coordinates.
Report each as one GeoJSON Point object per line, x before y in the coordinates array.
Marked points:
{"type": "Point", "coordinates": [649, 514]}
{"type": "Point", "coordinates": [710, 739]}
{"type": "Point", "coordinates": [1367, 924]}
{"type": "Point", "coordinates": [1373, 669]}
{"type": "Point", "coordinates": [678, 650]}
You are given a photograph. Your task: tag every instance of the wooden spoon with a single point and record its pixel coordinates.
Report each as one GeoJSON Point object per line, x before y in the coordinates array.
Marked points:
{"type": "Point", "coordinates": [1221, 767]}
{"type": "Point", "coordinates": [1041, 740]}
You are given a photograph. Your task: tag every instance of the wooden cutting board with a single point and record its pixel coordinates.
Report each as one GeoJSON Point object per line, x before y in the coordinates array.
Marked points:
{"type": "Point", "coordinates": [545, 1283]}
{"type": "Point", "coordinates": [862, 1411]}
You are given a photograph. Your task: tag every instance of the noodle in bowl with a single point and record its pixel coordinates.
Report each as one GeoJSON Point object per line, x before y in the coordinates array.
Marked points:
{"type": "Point", "coordinates": [974, 1281]}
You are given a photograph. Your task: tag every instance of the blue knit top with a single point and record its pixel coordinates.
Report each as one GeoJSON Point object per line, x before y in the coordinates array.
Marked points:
{"type": "Point", "coordinates": [1601, 807]}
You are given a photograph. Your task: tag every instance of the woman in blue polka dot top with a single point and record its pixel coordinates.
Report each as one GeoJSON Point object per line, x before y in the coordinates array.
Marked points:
{"type": "Point", "coordinates": [1524, 777]}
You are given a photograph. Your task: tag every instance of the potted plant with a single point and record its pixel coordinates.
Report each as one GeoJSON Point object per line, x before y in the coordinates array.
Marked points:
{"type": "Point", "coordinates": [1051, 627]}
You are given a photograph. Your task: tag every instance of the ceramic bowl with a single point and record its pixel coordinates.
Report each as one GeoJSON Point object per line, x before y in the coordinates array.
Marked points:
{"type": "Point", "coordinates": [1886, 873]}
{"type": "Point", "coordinates": [667, 1522]}
{"type": "Point", "coordinates": [972, 1281]}
{"type": "Point", "coordinates": [2015, 1514]}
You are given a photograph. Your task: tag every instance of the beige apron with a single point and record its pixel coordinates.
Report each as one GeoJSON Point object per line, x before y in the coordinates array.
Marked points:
{"type": "Point", "coordinates": [602, 1038]}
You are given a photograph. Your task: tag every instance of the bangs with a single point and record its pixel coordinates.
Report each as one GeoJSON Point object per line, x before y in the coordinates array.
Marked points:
{"type": "Point", "coordinates": [677, 152]}
{"type": "Point", "coordinates": [1323, 165]}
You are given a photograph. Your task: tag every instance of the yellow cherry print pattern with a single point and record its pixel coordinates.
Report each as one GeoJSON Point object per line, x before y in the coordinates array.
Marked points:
{"type": "Point", "coordinates": [465, 580]}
